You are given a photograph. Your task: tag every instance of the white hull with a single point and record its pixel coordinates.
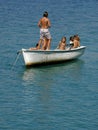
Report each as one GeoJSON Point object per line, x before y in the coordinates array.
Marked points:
{"type": "Point", "coordinates": [36, 57]}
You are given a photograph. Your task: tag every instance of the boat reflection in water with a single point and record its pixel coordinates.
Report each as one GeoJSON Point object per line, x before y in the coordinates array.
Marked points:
{"type": "Point", "coordinates": [43, 75]}
{"type": "Point", "coordinates": [45, 87]}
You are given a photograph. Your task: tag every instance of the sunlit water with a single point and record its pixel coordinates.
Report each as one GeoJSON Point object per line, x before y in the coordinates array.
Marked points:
{"type": "Point", "coordinates": [55, 97]}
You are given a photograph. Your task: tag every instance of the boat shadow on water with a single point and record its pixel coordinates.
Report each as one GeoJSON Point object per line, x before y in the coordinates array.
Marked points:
{"type": "Point", "coordinates": [47, 73]}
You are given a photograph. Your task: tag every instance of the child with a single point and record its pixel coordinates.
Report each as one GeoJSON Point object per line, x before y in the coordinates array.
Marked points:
{"type": "Point", "coordinates": [71, 41]}
{"type": "Point", "coordinates": [62, 44]}
{"type": "Point", "coordinates": [36, 47]}
{"type": "Point", "coordinates": [76, 41]}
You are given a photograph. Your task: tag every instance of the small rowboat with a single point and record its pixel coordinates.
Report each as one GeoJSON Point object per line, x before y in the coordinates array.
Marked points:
{"type": "Point", "coordinates": [39, 57]}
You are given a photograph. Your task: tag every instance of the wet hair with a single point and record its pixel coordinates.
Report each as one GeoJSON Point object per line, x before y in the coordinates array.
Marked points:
{"type": "Point", "coordinates": [45, 14]}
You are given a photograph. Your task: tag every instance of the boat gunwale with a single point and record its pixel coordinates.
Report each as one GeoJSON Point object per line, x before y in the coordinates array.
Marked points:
{"type": "Point", "coordinates": [53, 51]}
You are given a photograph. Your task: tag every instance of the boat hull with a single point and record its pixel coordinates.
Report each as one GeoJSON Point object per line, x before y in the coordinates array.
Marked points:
{"type": "Point", "coordinates": [38, 57]}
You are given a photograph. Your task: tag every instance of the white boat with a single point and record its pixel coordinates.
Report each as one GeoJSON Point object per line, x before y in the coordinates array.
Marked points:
{"type": "Point", "coordinates": [38, 57]}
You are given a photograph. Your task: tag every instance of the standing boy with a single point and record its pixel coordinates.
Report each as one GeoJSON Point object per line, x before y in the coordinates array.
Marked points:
{"type": "Point", "coordinates": [44, 25]}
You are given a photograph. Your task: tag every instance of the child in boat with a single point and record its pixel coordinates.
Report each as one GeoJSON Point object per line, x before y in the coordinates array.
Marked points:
{"type": "Point", "coordinates": [71, 41]}
{"type": "Point", "coordinates": [36, 47]}
{"type": "Point", "coordinates": [62, 44]}
{"type": "Point", "coordinates": [76, 41]}
{"type": "Point", "coordinates": [42, 45]}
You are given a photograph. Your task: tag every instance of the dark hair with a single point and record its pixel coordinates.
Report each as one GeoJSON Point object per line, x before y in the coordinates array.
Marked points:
{"type": "Point", "coordinates": [71, 38]}
{"type": "Point", "coordinates": [45, 14]}
{"type": "Point", "coordinates": [37, 45]}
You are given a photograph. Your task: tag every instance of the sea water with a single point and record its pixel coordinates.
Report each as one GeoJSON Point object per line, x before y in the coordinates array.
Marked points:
{"type": "Point", "coordinates": [54, 97]}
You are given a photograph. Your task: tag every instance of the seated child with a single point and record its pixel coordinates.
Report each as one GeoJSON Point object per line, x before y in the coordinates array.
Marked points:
{"type": "Point", "coordinates": [71, 43]}
{"type": "Point", "coordinates": [76, 41]}
{"type": "Point", "coordinates": [62, 44]}
{"type": "Point", "coordinates": [71, 39]}
{"type": "Point", "coordinates": [36, 47]}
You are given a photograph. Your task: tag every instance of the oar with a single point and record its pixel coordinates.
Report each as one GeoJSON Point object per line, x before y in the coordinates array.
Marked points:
{"type": "Point", "coordinates": [17, 57]}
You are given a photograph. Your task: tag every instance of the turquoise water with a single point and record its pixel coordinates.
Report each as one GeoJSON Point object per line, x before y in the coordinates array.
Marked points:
{"type": "Point", "coordinates": [55, 97]}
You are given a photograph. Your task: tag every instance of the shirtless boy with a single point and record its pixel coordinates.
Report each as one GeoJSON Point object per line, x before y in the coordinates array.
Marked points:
{"type": "Point", "coordinates": [44, 25]}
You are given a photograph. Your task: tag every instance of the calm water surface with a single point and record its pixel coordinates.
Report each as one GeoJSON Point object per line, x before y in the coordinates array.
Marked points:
{"type": "Point", "coordinates": [55, 97]}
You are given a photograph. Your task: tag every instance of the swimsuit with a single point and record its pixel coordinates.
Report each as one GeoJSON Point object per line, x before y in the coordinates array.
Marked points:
{"type": "Point", "coordinates": [45, 33]}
